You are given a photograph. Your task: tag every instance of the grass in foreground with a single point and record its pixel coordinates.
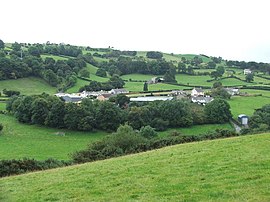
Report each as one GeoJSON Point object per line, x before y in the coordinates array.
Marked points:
{"type": "Point", "coordinates": [21, 140]}
{"type": "Point", "coordinates": [234, 169]}
{"type": "Point", "coordinates": [28, 86]}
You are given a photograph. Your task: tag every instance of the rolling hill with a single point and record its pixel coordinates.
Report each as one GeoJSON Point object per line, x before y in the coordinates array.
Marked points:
{"type": "Point", "coordinates": [233, 169]}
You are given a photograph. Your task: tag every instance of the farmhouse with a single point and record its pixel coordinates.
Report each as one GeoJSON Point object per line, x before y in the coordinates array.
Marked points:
{"type": "Point", "coordinates": [150, 99]}
{"type": "Point", "coordinates": [247, 71]}
{"type": "Point", "coordinates": [233, 91]}
{"type": "Point", "coordinates": [179, 94]}
{"type": "Point", "coordinates": [201, 100]}
{"type": "Point", "coordinates": [155, 80]}
{"type": "Point", "coordinates": [197, 92]}
{"type": "Point", "coordinates": [118, 91]}
{"type": "Point", "coordinates": [104, 96]}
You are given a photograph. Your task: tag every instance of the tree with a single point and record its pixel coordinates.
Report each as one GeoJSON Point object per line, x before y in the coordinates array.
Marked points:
{"type": "Point", "coordinates": [177, 113]}
{"type": "Point", "coordinates": [39, 110]}
{"type": "Point", "coordinates": [221, 93]}
{"type": "Point", "coordinates": [116, 81]}
{"type": "Point", "coordinates": [101, 72]}
{"type": "Point", "coordinates": [55, 117]}
{"type": "Point", "coordinates": [84, 73]}
{"type": "Point", "coordinates": [214, 74]}
{"type": "Point", "coordinates": [249, 78]}
{"type": "Point", "coordinates": [220, 70]}
{"type": "Point", "coordinates": [145, 87]}
{"type": "Point", "coordinates": [109, 116]}
{"type": "Point", "coordinates": [154, 55]}
{"type": "Point", "coordinates": [121, 100]}
{"type": "Point", "coordinates": [182, 67]}
{"type": "Point", "coordinates": [2, 44]}
{"type": "Point", "coordinates": [217, 84]}
{"type": "Point", "coordinates": [211, 65]}
{"type": "Point", "coordinates": [218, 111]}
{"type": "Point", "coordinates": [148, 132]}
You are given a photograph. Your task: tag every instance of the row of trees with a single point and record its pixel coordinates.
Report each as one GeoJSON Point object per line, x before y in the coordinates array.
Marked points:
{"type": "Point", "coordinates": [126, 65]}
{"type": "Point", "coordinates": [89, 115]}
{"type": "Point", "coordinates": [114, 82]}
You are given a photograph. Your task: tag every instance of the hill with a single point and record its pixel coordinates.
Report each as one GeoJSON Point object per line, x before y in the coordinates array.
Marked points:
{"type": "Point", "coordinates": [28, 86]}
{"type": "Point", "coordinates": [234, 169]}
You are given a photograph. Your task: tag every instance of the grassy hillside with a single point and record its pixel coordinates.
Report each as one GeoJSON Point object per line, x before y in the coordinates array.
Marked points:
{"type": "Point", "coordinates": [235, 169]}
{"type": "Point", "coordinates": [21, 140]}
{"type": "Point", "coordinates": [28, 86]}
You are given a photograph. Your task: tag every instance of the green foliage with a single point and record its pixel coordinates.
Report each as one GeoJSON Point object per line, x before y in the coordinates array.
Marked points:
{"type": "Point", "coordinates": [145, 87]}
{"type": "Point", "coordinates": [220, 92]}
{"type": "Point", "coordinates": [2, 44]}
{"type": "Point", "coordinates": [1, 127]}
{"type": "Point", "coordinates": [261, 119]}
{"type": "Point", "coordinates": [148, 132]}
{"type": "Point", "coordinates": [15, 167]}
{"type": "Point", "coordinates": [249, 78]}
{"type": "Point", "coordinates": [101, 72]}
{"type": "Point", "coordinates": [154, 55]}
{"type": "Point", "coordinates": [84, 73]}
{"type": "Point", "coordinates": [218, 111]}
{"type": "Point", "coordinates": [176, 112]}
{"type": "Point", "coordinates": [10, 93]}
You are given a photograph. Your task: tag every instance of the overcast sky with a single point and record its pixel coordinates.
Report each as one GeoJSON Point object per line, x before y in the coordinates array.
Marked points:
{"type": "Point", "coordinates": [232, 29]}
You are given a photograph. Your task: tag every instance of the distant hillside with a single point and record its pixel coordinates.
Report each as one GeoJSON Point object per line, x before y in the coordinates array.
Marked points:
{"type": "Point", "coordinates": [234, 169]}
{"type": "Point", "coordinates": [28, 86]}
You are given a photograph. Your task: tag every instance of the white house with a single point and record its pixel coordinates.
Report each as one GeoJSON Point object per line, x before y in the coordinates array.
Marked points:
{"type": "Point", "coordinates": [119, 91]}
{"type": "Point", "coordinates": [233, 91]}
{"type": "Point", "coordinates": [197, 92]}
{"type": "Point", "coordinates": [202, 100]}
{"type": "Point", "coordinates": [247, 71]}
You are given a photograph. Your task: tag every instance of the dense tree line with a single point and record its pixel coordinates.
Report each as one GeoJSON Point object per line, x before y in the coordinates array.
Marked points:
{"type": "Point", "coordinates": [126, 65]}
{"type": "Point", "coordinates": [89, 115]}
{"type": "Point", "coordinates": [114, 82]}
{"type": "Point", "coordinates": [255, 66]}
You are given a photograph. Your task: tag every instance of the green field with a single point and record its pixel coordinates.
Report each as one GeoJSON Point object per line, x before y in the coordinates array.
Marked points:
{"type": "Point", "coordinates": [246, 105]}
{"type": "Point", "coordinates": [21, 140]}
{"type": "Point", "coordinates": [197, 129]}
{"type": "Point", "coordinates": [233, 169]}
{"type": "Point", "coordinates": [28, 86]}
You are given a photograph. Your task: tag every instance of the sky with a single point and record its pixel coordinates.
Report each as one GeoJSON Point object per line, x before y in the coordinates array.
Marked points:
{"type": "Point", "coordinates": [232, 29]}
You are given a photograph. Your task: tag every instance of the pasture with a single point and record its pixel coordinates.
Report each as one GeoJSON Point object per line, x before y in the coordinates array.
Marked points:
{"type": "Point", "coordinates": [247, 105]}
{"type": "Point", "coordinates": [19, 140]}
{"type": "Point", "coordinates": [232, 169]}
{"type": "Point", "coordinates": [28, 86]}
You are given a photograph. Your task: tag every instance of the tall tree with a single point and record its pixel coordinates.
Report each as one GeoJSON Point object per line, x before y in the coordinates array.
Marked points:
{"type": "Point", "coordinates": [2, 44]}
{"type": "Point", "coordinates": [218, 111]}
{"type": "Point", "coordinates": [145, 87]}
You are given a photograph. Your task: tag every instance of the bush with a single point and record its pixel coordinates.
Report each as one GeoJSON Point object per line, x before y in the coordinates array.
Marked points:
{"type": "Point", "coordinates": [148, 132]}
{"type": "Point", "coordinates": [15, 167]}
{"type": "Point", "coordinates": [1, 127]}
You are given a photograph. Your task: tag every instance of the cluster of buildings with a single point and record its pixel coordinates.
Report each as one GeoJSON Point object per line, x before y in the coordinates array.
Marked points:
{"type": "Point", "coordinates": [100, 95]}
{"type": "Point", "coordinates": [197, 95]}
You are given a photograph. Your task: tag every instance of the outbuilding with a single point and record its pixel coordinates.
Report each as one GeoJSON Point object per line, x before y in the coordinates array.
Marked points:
{"type": "Point", "coordinates": [243, 119]}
